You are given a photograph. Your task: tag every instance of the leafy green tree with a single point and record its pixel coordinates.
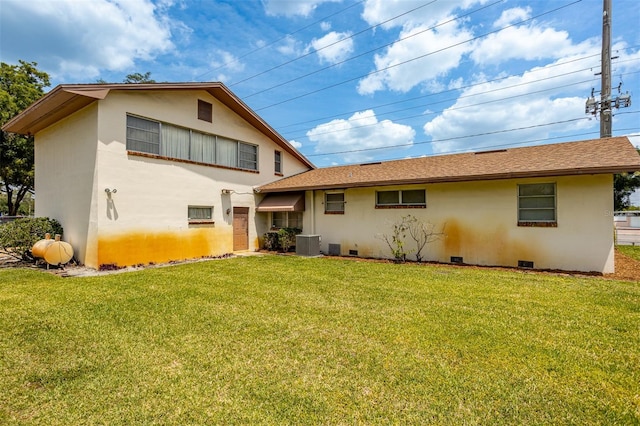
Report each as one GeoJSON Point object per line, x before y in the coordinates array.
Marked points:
{"type": "Point", "coordinates": [20, 86]}
{"type": "Point", "coordinates": [623, 186]}
{"type": "Point", "coordinates": [139, 78]}
{"type": "Point", "coordinates": [135, 77]}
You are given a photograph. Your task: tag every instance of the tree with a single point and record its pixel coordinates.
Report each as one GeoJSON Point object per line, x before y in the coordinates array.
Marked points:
{"type": "Point", "coordinates": [139, 78]}
{"type": "Point", "coordinates": [20, 86]}
{"type": "Point", "coordinates": [623, 186]}
{"type": "Point", "coordinates": [135, 78]}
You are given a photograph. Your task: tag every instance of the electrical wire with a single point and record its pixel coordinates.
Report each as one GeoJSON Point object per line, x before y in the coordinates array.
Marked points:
{"type": "Point", "coordinates": [463, 106]}
{"type": "Point", "coordinates": [395, 65]}
{"type": "Point", "coordinates": [226, 64]}
{"type": "Point", "coordinates": [326, 47]}
{"type": "Point", "coordinates": [455, 138]}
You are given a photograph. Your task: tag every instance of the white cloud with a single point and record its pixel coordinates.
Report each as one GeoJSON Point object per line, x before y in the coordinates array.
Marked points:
{"type": "Point", "coordinates": [325, 26]}
{"type": "Point", "coordinates": [378, 11]}
{"type": "Point", "coordinates": [362, 130]}
{"type": "Point", "coordinates": [511, 16]}
{"type": "Point", "coordinates": [296, 144]}
{"type": "Point", "coordinates": [223, 60]}
{"type": "Point", "coordinates": [78, 39]}
{"type": "Point", "coordinates": [511, 104]}
{"type": "Point", "coordinates": [528, 42]}
{"type": "Point", "coordinates": [442, 48]}
{"type": "Point", "coordinates": [334, 47]}
{"type": "Point", "coordinates": [292, 7]}
{"type": "Point", "coordinates": [290, 47]}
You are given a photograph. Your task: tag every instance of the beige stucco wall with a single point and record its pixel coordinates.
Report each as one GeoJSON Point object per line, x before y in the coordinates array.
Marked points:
{"type": "Point", "coordinates": [65, 178]}
{"type": "Point", "coordinates": [479, 220]}
{"type": "Point", "coordinates": [145, 219]}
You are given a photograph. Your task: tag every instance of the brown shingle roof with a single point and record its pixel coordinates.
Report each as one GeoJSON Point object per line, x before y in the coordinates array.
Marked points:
{"type": "Point", "coordinates": [610, 155]}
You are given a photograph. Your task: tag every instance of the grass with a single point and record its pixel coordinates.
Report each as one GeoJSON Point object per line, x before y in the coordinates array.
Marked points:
{"type": "Point", "coordinates": [288, 340]}
{"type": "Point", "coordinates": [631, 251]}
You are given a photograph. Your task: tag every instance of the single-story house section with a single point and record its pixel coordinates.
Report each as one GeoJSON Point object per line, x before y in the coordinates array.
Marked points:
{"type": "Point", "coordinates": [546, 207]}
{"type": "Point", "coordinates": [147, 173]}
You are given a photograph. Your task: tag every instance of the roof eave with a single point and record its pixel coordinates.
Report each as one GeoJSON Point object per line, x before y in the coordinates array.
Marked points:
{"type": "Point", "coordinates": [458, 179]}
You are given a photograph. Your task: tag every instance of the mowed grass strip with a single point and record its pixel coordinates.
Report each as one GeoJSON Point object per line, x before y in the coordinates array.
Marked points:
{"type": "Point", "coordinates": [631, 251]}
{"type": "Point", "coordinates": [289, 340]}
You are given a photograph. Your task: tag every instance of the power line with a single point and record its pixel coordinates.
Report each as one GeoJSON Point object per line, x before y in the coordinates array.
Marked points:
{"type": "Point", "coordinates": [495, 80]}
{"type": "Point", "coordinates": [467, 106]}
{"type": "Point", "coordinates": [226, 64]}
{"type": "Point", "coordinates": [456, 138]}
{"type": "Point", "coordinates": [369, 51]}
{"type": "Point", "coordinates": [527, 142]}
{"type": "Point", "coordinates": [415, 58]}
{"type": "Point", "coordinates": [325, 47]}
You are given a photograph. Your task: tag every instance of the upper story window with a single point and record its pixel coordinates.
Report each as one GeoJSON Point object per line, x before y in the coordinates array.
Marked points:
{"type": "Point", "coordinates": [143, 135]}
{"type": "Point", "coordinates": [278, 162]}
{"type": "Point", "coordinates": [537, 204]}
{"type": "Point", "coordinates": [167, 140]}
{"type": "Point", "coordinates": [205, 111]}
{"type": "Point", "coordinates": [334, 203]}
{"type": "Point", "coordinates": [409, 198]}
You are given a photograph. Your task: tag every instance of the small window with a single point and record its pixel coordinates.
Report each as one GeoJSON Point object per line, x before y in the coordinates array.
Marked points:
{"type": "Point", "coordinates": [205, 111]}
{"type": "Point", "coordinates": [414, 198]}
{"type": "Point", "coordinates": [537, 204]}
{"type": "Point", "coordinates": [278, 162]}
{"type": "Point", "coordinates": [334, 203]}
{"type": "Point", "coordinates": [286, 220]}
{"type": "Point", "coordinates": [198, 214]}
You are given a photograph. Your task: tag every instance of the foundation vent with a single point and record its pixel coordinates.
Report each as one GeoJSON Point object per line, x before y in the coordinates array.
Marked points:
{"type": "Point", "coordinates": [525, 264]}
{"type": "Point", "coordinates": [334, 250]}
{"type": "Point", "coordinates": [353, 252]}
{"type": "Point", "coordinates": [456, 259]}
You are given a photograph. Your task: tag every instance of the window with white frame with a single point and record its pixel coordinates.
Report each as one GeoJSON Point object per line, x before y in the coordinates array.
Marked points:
{"type": "Point", "coordinates": [200, 214]}
{"type": "Point", "coordinates": [408, 198]}
{"type": "Point", "coordinates": [167, 140]}
{"type": "Point", "coordinates": [286, 220]}
{"type": "Point", "coordinates": [334, 202]}
{"type": "Point", "coordinates": [537, 204]}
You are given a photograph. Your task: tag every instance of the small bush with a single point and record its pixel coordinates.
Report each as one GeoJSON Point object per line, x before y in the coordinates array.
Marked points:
{"type": "Point", "coordinates": [281, 240]}
{"type": "Point", "coordinates": [17, 237]}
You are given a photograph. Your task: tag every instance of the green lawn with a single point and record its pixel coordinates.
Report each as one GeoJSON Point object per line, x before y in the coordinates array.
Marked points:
{"type": "Point", "coordinates": [289, 340]}
{"type": "Point", "coordinates": [631, 251]}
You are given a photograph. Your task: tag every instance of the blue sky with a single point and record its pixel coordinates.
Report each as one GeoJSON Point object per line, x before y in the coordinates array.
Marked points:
{"type": "Point", "coordinates": [356, 81]}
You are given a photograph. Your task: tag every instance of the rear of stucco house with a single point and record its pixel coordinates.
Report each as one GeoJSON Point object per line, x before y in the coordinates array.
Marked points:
{"type": "Point", "coordinates": [549, 206]}
{"type": "Point", "coordinates": [149, 173]}
{"type": "Point", "coordinates": [140, 174]}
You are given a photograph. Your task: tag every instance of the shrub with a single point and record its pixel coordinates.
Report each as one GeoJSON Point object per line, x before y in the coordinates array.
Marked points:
{"type": "Point", "coordinates": [17, 237]}
{"type": "Point", "coordinates": [287, 238]}
{"type": "Point", "coordinates": [281, 240]}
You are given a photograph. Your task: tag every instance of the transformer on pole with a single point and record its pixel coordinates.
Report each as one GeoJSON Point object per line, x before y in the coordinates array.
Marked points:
{"type": "Point", "coordinates": [606, 102]}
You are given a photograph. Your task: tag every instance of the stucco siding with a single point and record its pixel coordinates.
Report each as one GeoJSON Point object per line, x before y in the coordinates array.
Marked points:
{"type": "Point", "coordinates": [146, 219]}
{"type": "Point", "coordinates": [65, 179]}
{"type": "Point", "coordinates": [479, 223]}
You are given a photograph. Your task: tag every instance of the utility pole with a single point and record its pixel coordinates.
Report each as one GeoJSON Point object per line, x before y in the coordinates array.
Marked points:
{"type": "Point", "coordinates": [606, 103]}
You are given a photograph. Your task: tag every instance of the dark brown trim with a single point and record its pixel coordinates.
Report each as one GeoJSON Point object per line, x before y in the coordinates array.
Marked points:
{"type": "Point", "coordinates": [553, 224]}
{"type": "Point", "coordinates": [180, 160]}
{"type": "Point", "coordinates": [333, 212]}
{"type": "Point", "coordinates": [201, 222]}
{"type": "Point", "coordinates": [401, 206]}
